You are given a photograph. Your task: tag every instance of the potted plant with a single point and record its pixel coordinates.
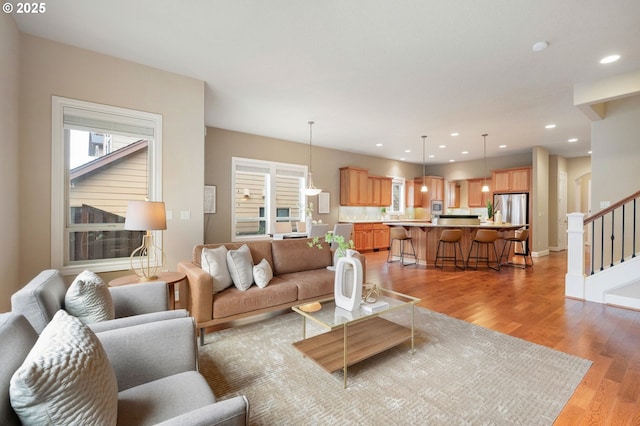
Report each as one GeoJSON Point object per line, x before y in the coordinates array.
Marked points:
{"type": "Point", "coordinates": [489, 209]}
{"type": "Point", "coordinates": [330, 238]}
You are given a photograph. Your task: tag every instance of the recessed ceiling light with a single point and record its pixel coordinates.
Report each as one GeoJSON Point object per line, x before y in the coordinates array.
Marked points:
{"type": "Point", "coordinates": [550, 126]}
{"type": "Point", "coordinates": [465, 152]}
{"type": "Point", "coordinates": [572, 140]}
{"type": "Point", "coordinates": [378, 144]}
{"type": "Point", "coordinates": [402, 158]}
{"type": "Point", "coordinates": [407, 150]}
{"type": "Point", "coordinates": [502, 146]}
{"type": "Point", "coordinates": [442, 146]}
{"type": "Point", "coordinates": [589, 152]}
{"type": "Point", "coordinates": [452, 161]}
{"type": "Point", "coordinates": [432, 156]}
{"type": "Point", "coordinates": [540, 46]}
{"type": "Point", "coordinates": [455, 134]}
{"type": "Point", "coordinates": [609, 59]}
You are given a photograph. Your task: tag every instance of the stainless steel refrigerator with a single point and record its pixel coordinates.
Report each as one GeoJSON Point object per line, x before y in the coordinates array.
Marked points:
{"type": "Point", "coordinates": [514, 207]}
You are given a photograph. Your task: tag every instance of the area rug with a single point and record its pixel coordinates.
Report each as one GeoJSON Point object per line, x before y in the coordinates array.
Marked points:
{"type": "Point", "coordinates": [460, 374]}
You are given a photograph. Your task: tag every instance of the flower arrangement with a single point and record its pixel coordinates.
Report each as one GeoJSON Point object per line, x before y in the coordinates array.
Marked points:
{"type": "Point", "coordinates": [343, 245]}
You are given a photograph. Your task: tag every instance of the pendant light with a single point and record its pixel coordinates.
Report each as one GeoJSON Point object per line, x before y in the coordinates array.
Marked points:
{"type": "Point", "coordinates": [424, 182]}
{"type": "Point", "coordinates": [485, 187]}
{"type": "Point", "coordinates": [311, 190]}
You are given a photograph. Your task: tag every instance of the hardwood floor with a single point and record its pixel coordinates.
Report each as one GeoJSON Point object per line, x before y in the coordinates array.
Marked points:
{"type": "Point", "coordinates": [530, 304]}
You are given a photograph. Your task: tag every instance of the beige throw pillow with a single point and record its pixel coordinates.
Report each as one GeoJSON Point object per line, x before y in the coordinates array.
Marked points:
{"type": "Point", "coordinates": [240, 264]}
{"type": "Point", "coordinates": [262, 273]}
{"type": "Point", "coordinates": [66, 378]}
{"type": "Point", "coordinates": [88, 298]}
{"type": "Point", "coordinates": [214, 262]}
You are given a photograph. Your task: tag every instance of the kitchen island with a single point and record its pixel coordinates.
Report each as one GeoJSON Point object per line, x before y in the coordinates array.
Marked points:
{"type": "Point", "coordinates": [426, 235]}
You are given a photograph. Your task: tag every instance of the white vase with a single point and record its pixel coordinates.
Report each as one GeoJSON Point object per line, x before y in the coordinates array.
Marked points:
{"type": "Point", "coordinates": [348, 283]}
{"type": "Point", "coordinates": [308, 221]}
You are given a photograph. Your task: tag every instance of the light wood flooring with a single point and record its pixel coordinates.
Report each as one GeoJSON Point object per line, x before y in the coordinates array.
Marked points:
{"type": "Point", "coordinates": [530, 304]}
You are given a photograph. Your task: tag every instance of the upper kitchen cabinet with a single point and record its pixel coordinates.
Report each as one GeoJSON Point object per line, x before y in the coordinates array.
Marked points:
{"type": "Point", "coordinates": [435, 190]}
{"type": "Point", "coordinates": [354, 186]}
{"type": "Point", "coordinates": [477, 198]}
{"type": "Point", "coordinates": [453, 198]}
{"type": "Point", "coordinates": [512, 180]}
{"type": "Point", "coordinates": [379, 191]}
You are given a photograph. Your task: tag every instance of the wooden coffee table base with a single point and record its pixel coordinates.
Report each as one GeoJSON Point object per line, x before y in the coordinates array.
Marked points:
{"type": "Point", "coordinates": [348, 345]}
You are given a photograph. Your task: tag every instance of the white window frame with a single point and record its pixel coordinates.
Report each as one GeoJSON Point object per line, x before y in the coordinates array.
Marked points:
{"type": "Point", "coordinates": [270, 193]}
{"type": "Point", "coordinates": [59, 167]}
{"type": "Point", "coordinates": [400, 181]}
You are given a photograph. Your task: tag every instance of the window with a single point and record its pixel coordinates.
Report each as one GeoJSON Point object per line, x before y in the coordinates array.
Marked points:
{"type": "Point", "coordinates": [264, 193]}
{"type": "Point", "coordinates": [102, 157]}
{"type": "Point", "coordinates": [397, 195]}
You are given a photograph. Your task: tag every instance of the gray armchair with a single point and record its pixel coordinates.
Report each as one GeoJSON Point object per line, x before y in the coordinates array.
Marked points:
{"type": "Point", "coordinates": [43, 296]}
{"type": "Point", "coordinates": [155, 385]}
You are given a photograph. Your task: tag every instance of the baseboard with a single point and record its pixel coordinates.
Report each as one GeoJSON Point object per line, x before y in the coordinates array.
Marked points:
{"type": "Point", "coordinates": [540, 253]}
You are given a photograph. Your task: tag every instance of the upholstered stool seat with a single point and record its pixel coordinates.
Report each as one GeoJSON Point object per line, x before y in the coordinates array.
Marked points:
{"type": "Point", "coordinates": [520, 237]}
{"type": "Point", "coordinates": [486, 238]}
{"type": "Point", "coordinates": [449, 236]}
{"type": "Point", "coordinates": [398, 233]}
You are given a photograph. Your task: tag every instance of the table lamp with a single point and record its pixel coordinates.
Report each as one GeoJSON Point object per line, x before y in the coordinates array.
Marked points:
{"type": "Point", "coordinates": [147, 216]}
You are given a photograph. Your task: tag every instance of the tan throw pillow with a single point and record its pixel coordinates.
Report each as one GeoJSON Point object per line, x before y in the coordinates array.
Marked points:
{"type": "Point", "coordinates": [88, 298]}
{"type": "Point", "coordinates": [262, 273]}
{"type": "Point", "coordinates": [240, 264]}
{"type": "Point", "coordinates": [214, 262]}
{"type": "Point", "coordinates": [66, 378]}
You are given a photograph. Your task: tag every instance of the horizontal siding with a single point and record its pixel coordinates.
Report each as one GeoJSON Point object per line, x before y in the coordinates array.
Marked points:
{"type": "Point", "coordinates": [111, 188]}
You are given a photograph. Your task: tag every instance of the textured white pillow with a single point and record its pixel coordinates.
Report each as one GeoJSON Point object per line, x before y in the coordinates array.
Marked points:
{"type": "Point", "coordinates": [66, 378]}
{"type": "Point", "coordinates": [262, 273]}
{"type": "Point", "coordinates": [240, 264]}
{"type": "Point", "coordinates": [88, 298]}
{"type": "Point", "coordinates": [214, 262]}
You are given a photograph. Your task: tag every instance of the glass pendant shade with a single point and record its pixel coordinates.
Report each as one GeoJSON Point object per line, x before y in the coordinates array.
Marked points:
{"type": "Point", "coordinates": [485, 187]}
{"type": "Point", "coordinates": [424, 183]}
{"type": "Point", "coordinates": [310, 190]}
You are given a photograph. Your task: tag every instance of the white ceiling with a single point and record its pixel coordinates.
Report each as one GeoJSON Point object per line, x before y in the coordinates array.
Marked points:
{"type": "Point", "coordinates": [373, 71]}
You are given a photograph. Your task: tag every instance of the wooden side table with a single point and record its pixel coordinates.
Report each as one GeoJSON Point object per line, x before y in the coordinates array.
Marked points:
{"type": "Point", "coordinates": [171, 278]}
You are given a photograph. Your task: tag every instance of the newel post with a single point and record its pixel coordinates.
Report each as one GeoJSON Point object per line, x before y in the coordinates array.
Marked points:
{"type": "Point", "coordinates": [574, 279]}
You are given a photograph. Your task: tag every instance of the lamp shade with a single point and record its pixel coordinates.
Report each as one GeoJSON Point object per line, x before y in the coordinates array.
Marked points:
{"type": "Point", "coordinates": [145, 216]}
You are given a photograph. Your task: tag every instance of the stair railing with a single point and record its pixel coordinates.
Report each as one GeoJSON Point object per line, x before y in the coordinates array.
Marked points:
{"type": "Point", "coordinates": [614, 235]}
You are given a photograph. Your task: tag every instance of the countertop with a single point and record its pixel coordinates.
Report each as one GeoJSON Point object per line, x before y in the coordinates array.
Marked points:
{"type": "Point", "coordinates": [426, 224]}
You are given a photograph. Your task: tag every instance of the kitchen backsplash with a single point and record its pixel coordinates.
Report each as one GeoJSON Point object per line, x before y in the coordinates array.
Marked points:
{"type": "Point", "coordinates": [351, 213]}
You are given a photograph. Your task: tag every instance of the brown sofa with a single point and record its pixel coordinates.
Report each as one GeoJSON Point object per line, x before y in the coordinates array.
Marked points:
{"type": "Point", "coordinates": [300, 276]}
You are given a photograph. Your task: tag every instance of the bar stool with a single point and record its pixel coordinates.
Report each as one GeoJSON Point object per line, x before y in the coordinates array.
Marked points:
{"type": "Point", "coordinates": [487, 238]}
{"type": "Point", "coordinates": [398, 233]}
{"type": "Point", "coordinates": [520, 236]}
{"type": "Point", "coordinates": [450, 236]}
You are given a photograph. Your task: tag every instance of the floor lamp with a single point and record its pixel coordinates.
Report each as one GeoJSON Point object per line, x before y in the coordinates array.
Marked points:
{"type": "Point", "coordinates": [147, 216]}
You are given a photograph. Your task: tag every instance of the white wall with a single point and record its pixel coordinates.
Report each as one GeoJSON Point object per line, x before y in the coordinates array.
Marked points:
{"type": "Point", "coordinates": [49, 68]}
{"type": "Point", "coordinates": [615, 142]}
{"type": "Point", "coordinates": [9, 194]}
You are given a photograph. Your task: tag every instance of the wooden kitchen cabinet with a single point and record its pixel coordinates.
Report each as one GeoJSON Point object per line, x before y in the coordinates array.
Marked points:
{"type": "Point", "coordinates": [477, 198]}
{"type": "Point", "coordinates": [379, 191]}
{"type": "Point", "coordinates": [363, 236]}
{"type": "Point", "coordinates": [453, 200]}
{"type": "Point", "coordinates": [354, 186]}
{"type": "Point", "coordinates": [435, 186]}
{"type": "Point", "coordinates": [408, 193]}
{"type": "Point", "coordinates": [512, 180]}
{"type": "Point", "coordinates": [380, 236]}
{"type": "Point", "coordinates": [370, 236]}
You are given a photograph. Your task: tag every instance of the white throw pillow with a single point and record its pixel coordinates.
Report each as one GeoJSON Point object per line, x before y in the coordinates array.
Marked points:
{"type": "Point", "coordinates": [214, 262]}
{"type": "Point", "coordinates": [66, 378]}
{"type": "Point", "coordinates": [240, 264]}
{"type": "Point", "coordinates": [88, 298]}
{"type": "Point", "coordinates": [262, 273]}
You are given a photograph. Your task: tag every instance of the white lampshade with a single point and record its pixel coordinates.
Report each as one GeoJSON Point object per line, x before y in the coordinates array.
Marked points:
{"type": "Point", "coordinates": [145, 216]}
{"type": "Point", "coordinates": [485, 188]}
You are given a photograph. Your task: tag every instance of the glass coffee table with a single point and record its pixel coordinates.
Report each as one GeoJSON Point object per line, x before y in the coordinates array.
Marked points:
{"type": "Point", "coordinates": [353, 336]}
